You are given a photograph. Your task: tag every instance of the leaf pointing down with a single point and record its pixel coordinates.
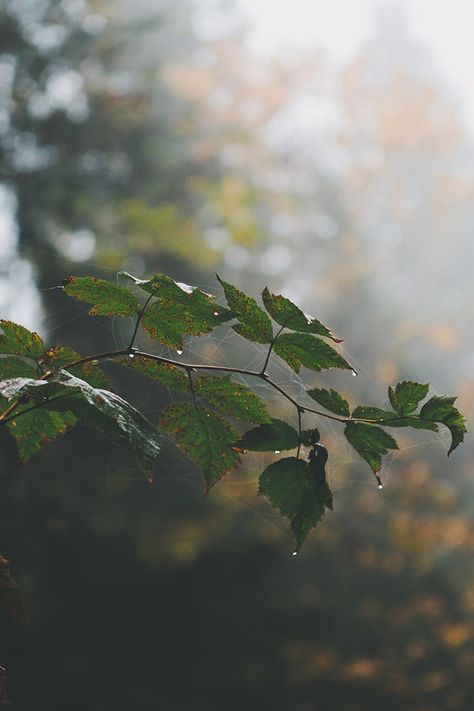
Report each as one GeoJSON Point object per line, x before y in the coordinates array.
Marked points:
{"type": "Point", "coordinates": [204, 436]}
{"type": "Point", "coordinates": [232, 398]}
{"type": "Point", "coordinates": [290, 486]}
{"type": "Point", "coordinates": [370, 442]}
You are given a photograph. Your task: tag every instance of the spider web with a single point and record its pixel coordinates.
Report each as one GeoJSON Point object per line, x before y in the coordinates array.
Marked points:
{"type": "Point", "coordinates": [224, 347]}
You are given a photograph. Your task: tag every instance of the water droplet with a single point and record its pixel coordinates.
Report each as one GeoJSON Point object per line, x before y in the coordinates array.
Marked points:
{"type": "Point", "coordinates": [354, 372]}
{"type": "Point", "coordinates": [131, 355]}
{"type": "Point", "coordinates": [216, 313]}
{"type": "Point", "coordinates": [179, 352]}
{"type": "Point", "coordinates": [308, 321]}
{"type": "Point", "coordinates": [380, 487]}
{"type": "Point", "coordinates": [277, 451]}
{"type": "Point", "coordinates": [295, 553]}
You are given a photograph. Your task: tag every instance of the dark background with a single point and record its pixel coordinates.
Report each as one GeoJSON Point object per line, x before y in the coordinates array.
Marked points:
{"type": "Point", "coordinates": [132, 139]}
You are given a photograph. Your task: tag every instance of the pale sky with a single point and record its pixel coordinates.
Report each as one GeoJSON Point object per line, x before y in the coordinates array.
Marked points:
{"type": "Point", "coordinates": [339, 26]}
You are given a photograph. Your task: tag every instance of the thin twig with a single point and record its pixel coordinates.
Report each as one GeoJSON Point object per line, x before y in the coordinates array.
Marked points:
{"type": "Point", "coordinates": [189, 367]}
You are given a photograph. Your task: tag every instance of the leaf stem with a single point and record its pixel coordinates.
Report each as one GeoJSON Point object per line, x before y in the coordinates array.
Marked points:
{"type": "Point", "coordinates": [299, 432]}
{"type": "Point", "coordinates": [272, 343]}
{"type": "Point", "coordinates": [191, 386]}
{"type": "Point", "coordinates": [137, 324]}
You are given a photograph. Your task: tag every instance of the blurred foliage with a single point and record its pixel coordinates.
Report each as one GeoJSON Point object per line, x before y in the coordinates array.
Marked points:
{"type": "Point", "coordinates": [350, 191]}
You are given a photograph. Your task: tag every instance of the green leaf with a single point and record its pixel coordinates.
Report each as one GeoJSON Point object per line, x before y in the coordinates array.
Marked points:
{"type": "Point", "coordinates": [164, 373]}
{"type": "Point", "coordinates": [287, 314]}
{"type": "Point", "coordinates": [366, 412]}
{"type": "Point", "coordinates": [179, 309]}
{"type": "Point", "coordinates": [310, 437]}
{"type": "Point", "coordinates": [291, 488]}
{"type": "Point", "coordinates": [406, 396]}
{"type": "Point", "coordinates": [440, 408]}
{"type": "Point", "coordinates": [370, 442]}
{"type": "Point", "coordinates": [331, 400]}
{"type": "Point", "coordinates": [57, 357]}
{"type": "Point", "coordinates": [299, 349]}
{"type": "Point", "coordinates": [164, 287]}
{"type": "Point", "coordinates": [232, 398]}
{"type": "Point", "coordinates": [108, 299]}
{"type": "Point", "coordinates": [168, 321]}
{"type": "Point", "coordinates": [204, 436]}
{"type": "Point", "coordinates": [254, 323]}
{"type": "Point", "coordinates": [39, 427]}
{"type": "Point", "coordinates": [456, 424]}
{"type": "Point", "coordinates": [391, 419]}
{"type": "Point", "coordinates": [17, 340]}
{"type": "Point", "coordinates": [437, 408]}
{"type": "Point", "coordinates": [411, 421]}
{"type": "Point", "coordinates": [17, 367]}
{"type": "Point", "coordinates": [274, 436]}
{"type": "Point", "coordinates": [99, 408]}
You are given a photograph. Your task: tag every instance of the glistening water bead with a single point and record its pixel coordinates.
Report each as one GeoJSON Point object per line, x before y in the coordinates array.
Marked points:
{"type": "Point", "coordinates": [131, 355]}
{"type": "Point", "coordinates": [179, 352]}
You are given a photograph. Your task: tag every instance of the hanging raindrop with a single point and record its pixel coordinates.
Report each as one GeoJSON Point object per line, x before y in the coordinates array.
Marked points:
{"type": "Point", "coordinates": [380, 487]}
{"type": "Point", "coordinates": [131, 355]}
{"type": "Point", "coordinates": [179, 352]}
{"type": "Point", "coordinates": [295, 553]}
{"type": "Point", "coordinates": [354, 372]}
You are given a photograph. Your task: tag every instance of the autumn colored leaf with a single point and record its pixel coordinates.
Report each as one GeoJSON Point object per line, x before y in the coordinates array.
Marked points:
{"type": "Point", "coordinates": [18, 340]}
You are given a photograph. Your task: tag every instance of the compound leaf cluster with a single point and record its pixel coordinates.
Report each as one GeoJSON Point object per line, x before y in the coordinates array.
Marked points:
{"type": "Point", "coordinates": [44, 391]}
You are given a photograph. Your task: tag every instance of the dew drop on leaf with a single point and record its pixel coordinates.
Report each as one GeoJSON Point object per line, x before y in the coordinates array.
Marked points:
{"type": "Point", "coordinates": [216, 313]}
{"type": "Point", "coordinates": [277, 451]}
{"type": "Point", "coordinates": [295, 553]}
{"type": "Point", "coordinates": [131, 355]}
{"type": "Point", "coordinates": [179, 352]}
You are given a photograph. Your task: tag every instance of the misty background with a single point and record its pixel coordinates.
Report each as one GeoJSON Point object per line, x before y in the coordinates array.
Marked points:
{"type": "Point", "coordinates": [326, 153]}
